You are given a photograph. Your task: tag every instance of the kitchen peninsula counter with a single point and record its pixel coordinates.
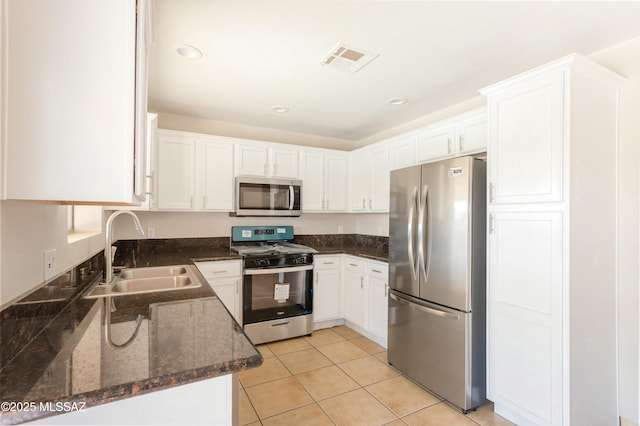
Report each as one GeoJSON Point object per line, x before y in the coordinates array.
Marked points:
{"type": "Point", "coordinates": [184, 336]}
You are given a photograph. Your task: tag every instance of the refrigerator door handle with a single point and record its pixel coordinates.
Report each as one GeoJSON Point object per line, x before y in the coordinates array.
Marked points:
{"type": "Point", "coordinates": [430, 311]}
{"type": "Point", "coordinates": [423, 233]}
{"type": "Point", "coordinates": [410, 231]}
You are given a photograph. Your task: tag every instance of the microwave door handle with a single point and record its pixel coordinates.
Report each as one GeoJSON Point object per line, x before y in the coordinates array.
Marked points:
{"type": "Point", "coordinates": [291, 197]}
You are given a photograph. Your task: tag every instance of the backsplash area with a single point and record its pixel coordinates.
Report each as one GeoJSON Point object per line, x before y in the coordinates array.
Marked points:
{"type": "Point", "coordinates": [26, 318]}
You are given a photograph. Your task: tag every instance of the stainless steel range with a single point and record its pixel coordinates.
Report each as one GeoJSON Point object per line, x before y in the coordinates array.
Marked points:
{"type": "Point", "coordinates": [277, 288]}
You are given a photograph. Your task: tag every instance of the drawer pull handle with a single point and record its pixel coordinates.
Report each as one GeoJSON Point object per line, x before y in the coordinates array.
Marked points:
{"type": "Point", "coordinates": [353, 264]}
{"type": "Point", "coordinates": [219, 272]}
{"type": "Point", "coordinates": [377, 271]}
{"type": "Point", "coordinates": [327, 263]}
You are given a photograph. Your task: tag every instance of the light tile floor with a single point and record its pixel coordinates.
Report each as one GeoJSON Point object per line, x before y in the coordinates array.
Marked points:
{"type": "Point", "coordinates": [338, 377]}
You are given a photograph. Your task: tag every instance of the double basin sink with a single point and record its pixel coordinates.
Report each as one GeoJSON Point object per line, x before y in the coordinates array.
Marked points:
{"type": "Point", "coordinates": [147, 280]}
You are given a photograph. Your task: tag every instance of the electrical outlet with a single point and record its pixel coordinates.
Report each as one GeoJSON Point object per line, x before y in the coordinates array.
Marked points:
{"type": "Point", "coordinates": [49, 264]}
{"type": "Point", "coordinates": [379, 230]}
{"type": "Point", "coordinates": [340, 229]}
{"type": "Point", "coordinates": [151, 232]}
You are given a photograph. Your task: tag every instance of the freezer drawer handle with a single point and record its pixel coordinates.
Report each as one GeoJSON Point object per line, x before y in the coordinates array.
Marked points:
{"type": "Point", "coordinates": [430, 311]}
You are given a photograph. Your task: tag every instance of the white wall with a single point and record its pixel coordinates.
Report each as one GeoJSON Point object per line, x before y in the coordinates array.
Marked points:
{"type": "Point", "coordinates": [624, 58]}
{"type": "Point", "coordinates": [193, 225]}
{"type": "Point", "coordinates": [27, 230]}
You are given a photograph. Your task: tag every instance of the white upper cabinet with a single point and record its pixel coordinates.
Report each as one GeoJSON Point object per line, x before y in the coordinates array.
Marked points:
{"type": "Point", "coordinates": [402, 152]}
{"type": "Point", "coordinates": [193, 172]}
{"type": "Point", "coordinates": [214, 175]}
{"type": "Point", "coordinates": [460, 135]}
{"type": "Point", "coordinates": [261, 159]}
{"type": "Point", "coordinates": [283, 162]}
{"type": "Point", "coordinates": [71, 120]}
{"type": "Point", "coordinates": [436, 141]}
{"type": "Point", "coordinates": [528, 140]}
{"type": "Point", "coordinates": [175, 167]}
{"type": "Point", "coordinates": [369, 181]}
{"type": "Point", "coordinates": [324, 180]}
{"type": "Point", "coordinates": [251, 159]}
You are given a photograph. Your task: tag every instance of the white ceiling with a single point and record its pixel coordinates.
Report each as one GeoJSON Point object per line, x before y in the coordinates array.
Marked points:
{"type": "Point", "coordinates": [258, 54]}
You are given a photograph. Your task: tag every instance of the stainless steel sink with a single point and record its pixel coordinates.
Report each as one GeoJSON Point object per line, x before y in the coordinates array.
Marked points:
{"type": "Point", "coordinates": [147, 280]}
{"type": "Point", "coordinates": [154, 272]}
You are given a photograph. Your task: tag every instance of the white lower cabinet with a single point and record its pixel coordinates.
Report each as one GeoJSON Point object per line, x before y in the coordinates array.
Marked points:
{"type": "Point", "coordinates": [378, 277]}
{"type": "Point", "coordinates": [225, 278]}
{"type": "Point", "coordinates": [355, 292]}
{"type": "Point", "coordinates": [365, 289]}
{"type": "Point", "coordinates": [327, 288]}
{"type": "Point", "coordinates": [524, 310]}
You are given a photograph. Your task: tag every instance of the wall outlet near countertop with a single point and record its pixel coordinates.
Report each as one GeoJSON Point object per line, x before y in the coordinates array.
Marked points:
{"type": "Point", "coordinates": [340, 229]}
{"type": "Point", "coordinates": [151, 232]}
{"type": "Point", "coordinates": [49, 264]}
{"type": "Point", "coordinates": [380, 230]}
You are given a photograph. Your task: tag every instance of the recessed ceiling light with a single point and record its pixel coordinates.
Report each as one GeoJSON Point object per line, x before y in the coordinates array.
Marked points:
{"type": "Point", "coordinates": [189, 52]}
{"type": "Point", "coordinates": [280, 109]}
{"type": "Point", "coordinates": [397, 101]}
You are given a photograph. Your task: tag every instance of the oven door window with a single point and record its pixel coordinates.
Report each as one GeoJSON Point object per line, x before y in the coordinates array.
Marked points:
{"type": "Point", "coordinates": [276, 295]}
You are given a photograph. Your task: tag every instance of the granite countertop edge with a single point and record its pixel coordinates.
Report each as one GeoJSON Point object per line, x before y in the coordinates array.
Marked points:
{"type": "Point", "coordinates": [137, 388]}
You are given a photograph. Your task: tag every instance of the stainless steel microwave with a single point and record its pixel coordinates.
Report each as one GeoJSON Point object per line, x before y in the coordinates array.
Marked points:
{"type": "Point", "coordinates": [267, 197]}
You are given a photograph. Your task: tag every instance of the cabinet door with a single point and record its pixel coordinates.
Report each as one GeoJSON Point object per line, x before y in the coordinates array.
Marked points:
{"type": "Point", "coordinates": [214, 173]}
{"type": "Point", "coordinates": [360, 172]}
{"type": "Point", "coordinates": [175, 173]}
{"type": "Point", "coordinates": [354, 289]}
{"type": "Point", "coordinates": [435, 142]}
{"type": "Point", "coordinates": [378, 299]}
{"type": "Point", "coordinates": [312, 175]}
{"type": "Point", "coordinates": [471, 134]}
{"type": "Point", "coordinates": [251, 160]}
{"type": "Point", "coordinates": [228, 291]}
{"type": "Point", "coordinates": [284, 163]}
{"type": "Point", "coordinates": [380, 179]}
{"type": "Point", "coordinates": [68, 125]}
{"type": "Point", "coordinates": [402, 153]}
{"type": "Point", "coordinates": [524, 305]}
{"type": "Point", "coordinates": [327, 295]}
{"type": "Point", "coordinates": [335, 189]}
{"type": "Point", "coordinates": [526, 142]}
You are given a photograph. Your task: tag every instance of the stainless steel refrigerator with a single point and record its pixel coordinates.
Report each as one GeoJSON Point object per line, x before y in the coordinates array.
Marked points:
{"type": "Point", "coordinates": [437, 257]}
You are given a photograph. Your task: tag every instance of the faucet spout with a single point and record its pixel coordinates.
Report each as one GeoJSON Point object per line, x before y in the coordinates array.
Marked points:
{"type": "Point", "coordinates": [108, 235]}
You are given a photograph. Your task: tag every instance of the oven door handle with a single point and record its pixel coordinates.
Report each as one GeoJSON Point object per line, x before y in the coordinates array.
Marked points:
{"type": "Point", "coordinates": [265, 271]}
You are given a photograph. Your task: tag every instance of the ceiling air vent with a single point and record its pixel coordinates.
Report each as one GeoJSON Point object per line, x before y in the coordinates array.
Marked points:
{"type": "Point", "coordinates": [347, 58]}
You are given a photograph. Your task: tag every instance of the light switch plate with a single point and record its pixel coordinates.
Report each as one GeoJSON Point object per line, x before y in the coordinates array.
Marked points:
{"type": "Point", "coordinates": [49, 264]}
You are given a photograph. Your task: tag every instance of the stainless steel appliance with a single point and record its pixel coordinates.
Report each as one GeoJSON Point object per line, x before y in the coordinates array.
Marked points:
{"type": "Point", "coordinates": [437, 255]}
{"type": "Point", "coordinates": [277, 284]}
{"type": "Point", "coordinates": [267, 197]}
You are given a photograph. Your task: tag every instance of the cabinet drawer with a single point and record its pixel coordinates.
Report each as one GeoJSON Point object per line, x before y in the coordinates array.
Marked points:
{"type": "Point", "coordinates": [378, 269]}
{"type": "Point", "coordinates": [219, 269]}
{"type": "Point", "coordinates": [326, 262]}
{"type": "Point", "coordinates": [355, 264]}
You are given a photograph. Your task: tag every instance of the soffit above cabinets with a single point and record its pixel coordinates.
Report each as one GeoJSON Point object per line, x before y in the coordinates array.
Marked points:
{"type": "Point", "coordinates": [261, 57]}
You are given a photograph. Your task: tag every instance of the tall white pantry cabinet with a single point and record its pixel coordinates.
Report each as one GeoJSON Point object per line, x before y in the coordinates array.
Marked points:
{"type": "Point", "coordinates": [552, 244]}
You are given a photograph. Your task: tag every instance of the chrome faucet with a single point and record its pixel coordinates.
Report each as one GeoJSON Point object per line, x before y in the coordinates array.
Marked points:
{"type": "Point", "coordinates": [108, 235]}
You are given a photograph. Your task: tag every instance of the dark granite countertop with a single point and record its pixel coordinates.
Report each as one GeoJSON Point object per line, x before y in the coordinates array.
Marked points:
{"type": "Point", "coordinates": [70, 359]}
{"type": "Point", "coordinates": [54, 347]}
{"type": "Point", "coordinates": [367, 246]}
